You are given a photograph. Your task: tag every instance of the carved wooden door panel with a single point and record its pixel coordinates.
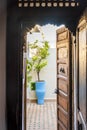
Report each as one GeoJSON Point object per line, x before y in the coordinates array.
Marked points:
{"type": "Point", "coordinates": [82, 72]}
{"type": "Point", "coordinates": [64, 79]}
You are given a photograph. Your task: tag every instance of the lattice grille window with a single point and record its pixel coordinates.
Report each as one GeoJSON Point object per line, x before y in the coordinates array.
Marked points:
{"type": "Point", "coordinates": [48, 3]}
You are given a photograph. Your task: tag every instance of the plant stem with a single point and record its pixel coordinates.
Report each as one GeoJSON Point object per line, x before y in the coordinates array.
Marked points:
{"type": "Point", "coordinates": [38, 75]}
{"type": "Point", "coordinates": [38, 72]}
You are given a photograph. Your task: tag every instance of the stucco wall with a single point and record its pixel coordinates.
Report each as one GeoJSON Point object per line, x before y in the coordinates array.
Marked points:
{"type": "Point", "coordinates": [49, 75]}
{"type": "Point", "coordinates": [2, 64]}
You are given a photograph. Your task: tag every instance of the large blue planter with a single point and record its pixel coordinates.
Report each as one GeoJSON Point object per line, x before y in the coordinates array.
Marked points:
{"type": "Point", "coordinates": [40, 91]}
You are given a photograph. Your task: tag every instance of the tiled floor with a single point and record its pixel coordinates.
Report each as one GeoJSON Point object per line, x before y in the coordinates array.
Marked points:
{"type": "Point", "coordinates": [41, 117]}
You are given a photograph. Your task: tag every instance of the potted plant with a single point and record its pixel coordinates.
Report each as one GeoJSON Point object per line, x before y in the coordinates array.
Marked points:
{"type": "Point", "coordinates": [40, 51]}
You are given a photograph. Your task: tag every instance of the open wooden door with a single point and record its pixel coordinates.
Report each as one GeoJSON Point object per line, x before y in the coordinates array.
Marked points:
{"type": "Point", "coordinates": [64, 79]}
{"type": "Point", "coordinates": [82, 72]}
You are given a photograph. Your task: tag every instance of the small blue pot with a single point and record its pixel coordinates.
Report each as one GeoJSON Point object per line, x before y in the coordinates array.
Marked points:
{"type": "Point", "coordinates": [40, 91]}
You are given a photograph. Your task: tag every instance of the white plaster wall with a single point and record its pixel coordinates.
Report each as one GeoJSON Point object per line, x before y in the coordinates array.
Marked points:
{"type": "Point", "coordinates": [2, 64]}
{"type": "Point", "coordinates": [49, 75]}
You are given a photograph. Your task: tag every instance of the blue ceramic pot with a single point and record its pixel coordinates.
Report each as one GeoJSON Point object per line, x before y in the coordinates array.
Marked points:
{"type": "Point", "coordinates": [40, 91]}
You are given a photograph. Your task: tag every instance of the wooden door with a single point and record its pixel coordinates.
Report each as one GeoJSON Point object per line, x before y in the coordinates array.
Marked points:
{"type": "Point", "coordinates": [64, 79]}
{"type": "Point", "coordinates": [82, 72]}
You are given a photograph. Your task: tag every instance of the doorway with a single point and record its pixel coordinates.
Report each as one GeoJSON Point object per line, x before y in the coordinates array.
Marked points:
{"type": "Point", "coordinates": [43, 117]}
{"type": "Point", "coordinates": [15, 20]}
{"type": "Point", "coordinates": [57, 76]}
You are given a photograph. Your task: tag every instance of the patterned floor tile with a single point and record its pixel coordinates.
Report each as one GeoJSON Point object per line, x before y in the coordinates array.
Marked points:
{"type": "Point", "coordinates": [41, 117]}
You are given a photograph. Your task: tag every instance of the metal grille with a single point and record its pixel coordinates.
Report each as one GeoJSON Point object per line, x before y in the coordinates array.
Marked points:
{"type": "Point", "coordinates": [47, 3]}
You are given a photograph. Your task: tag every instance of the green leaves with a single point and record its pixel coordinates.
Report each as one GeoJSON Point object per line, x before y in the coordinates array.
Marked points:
{"type": "Point", "coordinates": [33, 45]}
{"type": "Point", "coordinates": [41, 52]}
{"type": "Point", "coordinates": [34, 58]}
{"type": "Point", "coordinates": [29, 65]}
{"type": "Point", "coordinates": [29, 69]}
{"type": "Point", "coordinates": [39, 66]}
{"type": "Point", "coordinates": [29, 78]}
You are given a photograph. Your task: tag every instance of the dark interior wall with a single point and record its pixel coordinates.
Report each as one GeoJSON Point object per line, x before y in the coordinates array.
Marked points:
{"type": "Point", "coordinates": [2, 64]}
{"type": "Point", "coordinates": [17, 20]}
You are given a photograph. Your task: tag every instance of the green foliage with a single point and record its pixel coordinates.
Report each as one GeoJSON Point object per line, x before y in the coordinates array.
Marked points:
{"type": "Point", "coordinates": [29, 78]}
{"type": "Point", "coordinates": [40, 53]}
{"type": "Point", "coordinates": [29, 65]}
{"type": "Point", "coordinates": [32, 86]}
{"type": "Point", "coordinates": [40, 65]}
{"type": "Point", "coordinates": [29, 69]}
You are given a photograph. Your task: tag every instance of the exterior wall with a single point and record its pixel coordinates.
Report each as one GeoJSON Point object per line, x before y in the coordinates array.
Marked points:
{"type": "Point", "coordinates": [2, 64]}
{"type": "Point", "coordinates": [49, 75]}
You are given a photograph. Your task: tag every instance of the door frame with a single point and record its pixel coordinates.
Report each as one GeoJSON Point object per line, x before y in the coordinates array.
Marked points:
{"type": "Point", "coordinates": [15, 17]}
